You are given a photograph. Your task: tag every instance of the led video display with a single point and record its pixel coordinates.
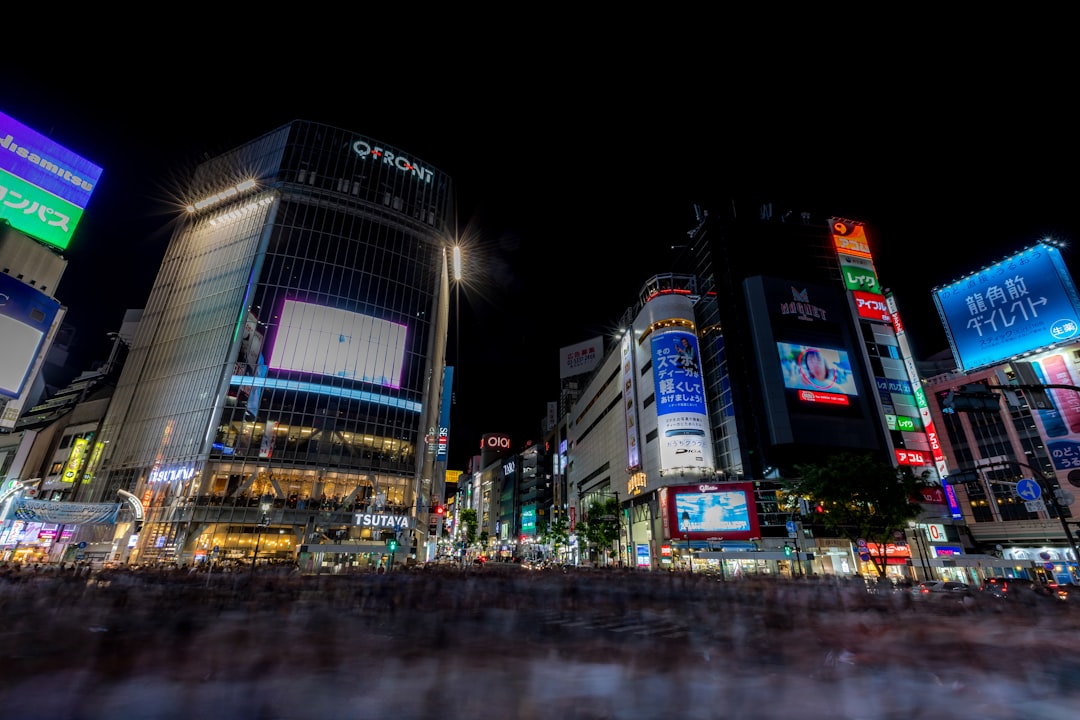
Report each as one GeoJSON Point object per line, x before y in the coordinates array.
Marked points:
{"type": "Point", "coordinates": [714, 510]}
{"type": "Point", "coordinates": [810, 367]}
{"type": "Point", "coordinates": [1025, 302]}
{"type": "Point", "coordinates": [338, 343]}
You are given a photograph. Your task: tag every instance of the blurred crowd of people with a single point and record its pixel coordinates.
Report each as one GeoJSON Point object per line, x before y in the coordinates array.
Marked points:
{"type": "Point", "coordinates": [501, 641]}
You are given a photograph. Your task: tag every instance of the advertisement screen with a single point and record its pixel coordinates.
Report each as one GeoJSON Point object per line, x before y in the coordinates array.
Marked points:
{"type": "Point", "coordinates": [44, 187]}
{"type": "Point", "coordinates": [712, 510]}
{"type": "Point", "coordinates": [327, 341]}
{"type": "Point", "coordinates": [816, 368]}
{"type": "Point", "coordinates": [26, 315]}
{"type": "Point", "coordinates": [1025, 302]}
{"type": "Point", "coordinates": [1060, 423]}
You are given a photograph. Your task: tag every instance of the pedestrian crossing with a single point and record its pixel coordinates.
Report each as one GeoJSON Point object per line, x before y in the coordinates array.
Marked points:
{"type": "Point", "coordinates": [626, 625]}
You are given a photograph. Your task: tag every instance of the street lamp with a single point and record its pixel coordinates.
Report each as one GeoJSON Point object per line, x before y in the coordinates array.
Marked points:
{"type": "Point", "coordinates": [686, 534]}
{"type": "Point", "coordinates": [265, 504]}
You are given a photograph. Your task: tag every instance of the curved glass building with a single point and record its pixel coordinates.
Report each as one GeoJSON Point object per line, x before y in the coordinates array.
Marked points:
{"type": "Point", "coordinates": [287, 370]}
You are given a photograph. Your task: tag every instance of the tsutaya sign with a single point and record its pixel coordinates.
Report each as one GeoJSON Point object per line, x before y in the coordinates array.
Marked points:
{"type": "Point", "coordinates": [365, 150]}
{"type": "Point", "coordinates": [383, 520]}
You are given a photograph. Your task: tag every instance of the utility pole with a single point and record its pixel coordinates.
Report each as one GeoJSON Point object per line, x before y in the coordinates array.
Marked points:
{"type": "Point", "coordinates": [979, 397]}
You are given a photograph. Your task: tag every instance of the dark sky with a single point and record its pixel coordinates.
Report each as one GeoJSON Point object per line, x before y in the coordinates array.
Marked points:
{"type": "Point", "coordinates": [572, 188]}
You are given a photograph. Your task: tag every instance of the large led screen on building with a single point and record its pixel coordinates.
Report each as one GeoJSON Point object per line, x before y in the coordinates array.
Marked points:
{"type": "Point", "coordinates": [814, 392]}
{"type": "Point", "coordinates": [713, 510]}
{"type": "Point", "coordinates": [44, 187]}
{"type": "Point", "coordinates": [1025, 302]}
{"type": "Point", "coordinates": [681, 417]}
{"type": "Point", "coordinates": [327, 341]}
{"type": "Point", "coordinates": [26, 315]}
{"type": "Point", "coordinates": [816, 368]}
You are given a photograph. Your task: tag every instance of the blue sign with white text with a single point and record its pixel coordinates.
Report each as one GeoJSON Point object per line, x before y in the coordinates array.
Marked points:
{"type": "Point", "coordinates": [1025, 302]}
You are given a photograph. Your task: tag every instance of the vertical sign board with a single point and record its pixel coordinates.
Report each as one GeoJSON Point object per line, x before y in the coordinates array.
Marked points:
{"type": "Point", "coordinates": [629, 399]}
{"type": "Point", "coordinates": [44, 187]}
{"type": "Point", "coordinates": [1023, 303]}
{"type": "Point", "coordinates": [682, 420]}
{"type": "Point", "coordinates": [443, 442]}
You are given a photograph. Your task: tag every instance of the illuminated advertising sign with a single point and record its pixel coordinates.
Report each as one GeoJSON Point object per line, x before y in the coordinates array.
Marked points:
{"type": "Point", "coordinates": [26, 315]}
{"type": "Point", "coordinates": [629, 399]}
{"type": "Point", "coordinates": [682, 420]}
{"type": "Point", "coordinates": [859, 274]}
{"type": "Point", "coordinates": [44, 187]}
{"type": "Point", "coordinates": [75, 460]}
{"type": "Point", "coordinates": [1060, 423]}
{"type": "Point", "coordinates": [913, 458]}
{"type": "Point", "coordinates": [713, 509]}
{"type": "Point", "coordinates": [850, 238]}
{"type": "Point", "coordinates": [871, 307]}
{"type": "Point", "coordinates": [1025, 302]}
{"type": "Point", "coordinates": [328, 341]}
{"type": "Point", "coordinates": [581, 358]}
{"type": "Point", "coordinates": [819, 374]}
{"type": "Point", "coordinates": [528, 520]}
{"type": "Point", "coordinates": [916, 390]}
{"type": "Point", "coordinates": [443, 443]}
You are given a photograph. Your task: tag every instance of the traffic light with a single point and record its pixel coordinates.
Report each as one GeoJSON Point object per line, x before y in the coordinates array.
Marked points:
{"type": "Point", "coordinates": [391, 544]}
{"type": "Point", "coordinates": [819, 508]}
{"type": "Point", "coordinates": [440, 510]}
{"type": "Point", "coordinates": [787, 550]}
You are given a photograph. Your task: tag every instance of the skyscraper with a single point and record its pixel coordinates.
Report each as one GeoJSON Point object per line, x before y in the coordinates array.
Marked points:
{"type": "Point", "coordinates": [286, 374]}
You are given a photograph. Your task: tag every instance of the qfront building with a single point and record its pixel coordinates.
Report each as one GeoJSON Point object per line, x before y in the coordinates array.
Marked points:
{"type": "Point", "coordinates": [276, 396]}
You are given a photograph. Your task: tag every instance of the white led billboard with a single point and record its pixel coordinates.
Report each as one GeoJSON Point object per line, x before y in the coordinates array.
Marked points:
{"type": "Point", "coordinates": [327, 341]}
{"type": "Point", "coordinates": [26, 314]}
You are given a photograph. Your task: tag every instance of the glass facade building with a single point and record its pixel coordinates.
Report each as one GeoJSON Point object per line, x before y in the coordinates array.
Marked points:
{"type": "Point", "coordinates": [289, 359]}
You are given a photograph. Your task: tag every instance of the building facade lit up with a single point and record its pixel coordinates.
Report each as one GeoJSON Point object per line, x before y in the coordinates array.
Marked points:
{"type": "Point", "coordinates": [277, 398]}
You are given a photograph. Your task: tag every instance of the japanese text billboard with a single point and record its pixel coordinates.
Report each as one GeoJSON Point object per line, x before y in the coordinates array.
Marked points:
{"type": "Point", "coordinates": [44, 187]}
{"type": "Point", "coordinates": [681, 417]}
{"type": "Point", "coordinates": [1025, 302]}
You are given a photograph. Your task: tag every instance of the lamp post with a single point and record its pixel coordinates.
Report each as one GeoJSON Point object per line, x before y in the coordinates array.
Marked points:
{"type": "Point", "coordinates": [265, 504]}
{"type": "Point", "coordinates": [686, 534]}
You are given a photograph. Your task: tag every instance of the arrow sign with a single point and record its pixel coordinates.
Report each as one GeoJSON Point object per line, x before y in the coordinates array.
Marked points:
{"type": "Point", "coordinates": [1028, 490]}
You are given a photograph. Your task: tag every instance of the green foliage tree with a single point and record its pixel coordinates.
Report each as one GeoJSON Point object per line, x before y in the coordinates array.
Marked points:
{"type": "Point", "coordinates": [600, 528]}
{"type": "Point", "coordinates": [862, 497]}
{"type": "Point", "coordinates": [556, 534]}
{"type": "Point", "coordinates": [469, 523]}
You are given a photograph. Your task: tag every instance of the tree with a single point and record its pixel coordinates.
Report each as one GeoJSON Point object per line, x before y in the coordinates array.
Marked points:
{"type": "Point", "coordinates": [556, 533]}
{"type": "Point", "coordinates": [600, 528]}
{"type": "Point", "coordinates": [859, 497]}
{"type": "Point", "coordinates": [469, 522]}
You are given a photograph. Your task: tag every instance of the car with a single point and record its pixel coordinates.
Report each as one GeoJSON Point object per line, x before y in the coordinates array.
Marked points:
{"type": "Point", "coordinates": [941, 590]}
{"type": "Point", "coordinates": [1002, 587]}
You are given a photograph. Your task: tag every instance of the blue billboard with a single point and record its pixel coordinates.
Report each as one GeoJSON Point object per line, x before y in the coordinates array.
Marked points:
{"type": "Point", "coordinates": [26, 315]}
{"type": "Point", "coordinates": [682, 420]}
{"type": "Point", "coordinates": [1025, 302]}
{"type": "Point", "coordinates": [44, 187]}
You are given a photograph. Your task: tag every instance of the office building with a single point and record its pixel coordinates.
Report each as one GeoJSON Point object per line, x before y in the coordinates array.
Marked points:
{"type": "Point", "coordinates": [277, 397]}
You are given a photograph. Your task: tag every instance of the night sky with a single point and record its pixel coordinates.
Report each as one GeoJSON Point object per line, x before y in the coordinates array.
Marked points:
{"type": "Point", "coordinates": [571, 191]}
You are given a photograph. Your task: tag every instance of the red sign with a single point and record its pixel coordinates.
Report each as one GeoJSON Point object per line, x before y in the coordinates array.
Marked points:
{"type": "Point", "coordinates": [932, 495]}
{"type": "Point", "coordinates": [823, 398]}
{"type": "Point", "coordinates": [911, 457]}
{"type": "Point", "coordinates": [871, 306]}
